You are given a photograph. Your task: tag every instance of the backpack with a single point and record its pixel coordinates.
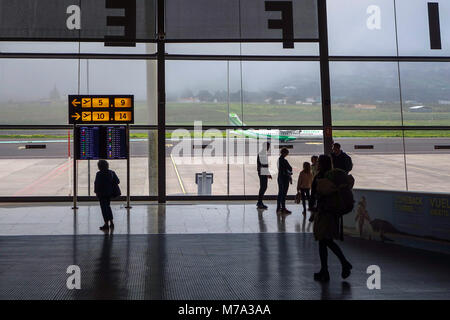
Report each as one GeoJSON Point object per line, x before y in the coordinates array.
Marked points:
{"type": "Point", "coordinates": [341, 201]}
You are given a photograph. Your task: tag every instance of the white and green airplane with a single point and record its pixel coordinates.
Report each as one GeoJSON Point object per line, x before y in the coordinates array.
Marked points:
{"type": "Point", "coordinates": [281, 135]}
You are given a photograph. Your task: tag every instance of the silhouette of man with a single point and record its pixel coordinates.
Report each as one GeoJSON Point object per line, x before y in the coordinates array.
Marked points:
{"type": "Point", "coordinates": [262, 165]}
{"type": "Point", "coordinates": [341, 160]}
{"type": "Point", "coordinates": [103, 187]}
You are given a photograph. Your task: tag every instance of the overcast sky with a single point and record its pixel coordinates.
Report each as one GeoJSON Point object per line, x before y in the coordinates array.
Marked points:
{"type": "Point", "coordinates": [349, 34]}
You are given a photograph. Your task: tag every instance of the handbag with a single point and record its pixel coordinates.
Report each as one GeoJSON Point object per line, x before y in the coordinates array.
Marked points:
{"type": "Point", "coordinates": [115, 192]}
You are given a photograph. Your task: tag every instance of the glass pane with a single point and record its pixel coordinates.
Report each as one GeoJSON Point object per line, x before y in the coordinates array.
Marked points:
{"type": "Point", "coordinates": [87, 169]}
{"type": "Point", "coordinates": [235, 20]}
{"type": "Point", "coordinates": [201, 91]}
{"type": "Point", "coordinates": [143, 167]}
{"type": "Point", "coordinates": [281, 93]}
{"type": "Point", "coordinates": [302, 144]}
{"type": "Point", "coordinates": [276, 49]}
{"type": "Point", "coordinates": [190, 153]}
{"type": "Point", "coordinates": [414, 28]}
{"type": "Point", "coordinates": [428, 160]}
{"type": "Point", "coordinates": [39, 47]}
{"type": "Point", "coordinates": [87, 20]}
{"type": "Point", "coordinates": [425, 93]}
{"type": "Point", "coordinates": [361, 27]}
{"type": "Point", "coordinates": [99, 47]}
{"type": "Point", "coordinates": [144, 162]}
{"type": "Point", "coordinates": [215, 48]}
{"type": "Point", "coordinates": [136, 77]}
{"type": "Point", "coordinates": [35, 163]}
{"type": "Point", "coordinates": [34, 91]}
{"type": "Point", "coordinates": [377, 156]}
{"type": "Point", "coordinates": [251, 49]}
{"type": "Point", "coordinates": [365, 93]}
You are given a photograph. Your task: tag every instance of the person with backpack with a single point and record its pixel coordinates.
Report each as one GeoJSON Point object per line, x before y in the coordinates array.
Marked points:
{"type": "Point", "coordinates": [328, 207]}
{"type": "Point", "coordinates": [106, 186]}
{"type": "Point", "coordinates": [341, 160]}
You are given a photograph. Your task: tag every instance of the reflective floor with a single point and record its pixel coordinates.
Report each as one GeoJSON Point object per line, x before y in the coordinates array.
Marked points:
{"type": "Point", "coordinates": [59, 219]}
{"type": "Point", "coordinates": [186, 251]}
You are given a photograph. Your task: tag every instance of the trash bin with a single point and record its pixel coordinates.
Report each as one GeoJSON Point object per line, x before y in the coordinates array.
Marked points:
{"type": "Point", "coordinates": [204, 182]}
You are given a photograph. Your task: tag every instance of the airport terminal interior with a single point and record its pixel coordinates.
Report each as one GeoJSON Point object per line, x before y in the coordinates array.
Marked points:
{"type": "Point", "coordinates": [182, 98]}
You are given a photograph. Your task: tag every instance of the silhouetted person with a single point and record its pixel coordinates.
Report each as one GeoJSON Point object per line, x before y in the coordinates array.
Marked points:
{"type": "Point", "coordinates": [314, 165]}
{"type": "Point", "coordinates": [262, 165]}
{"type": "Point", "coordinates": [103, 188]}
{"type": "Point", "coordinates": [304, 184]}
{"type": "Point", "coordinates": [326, 225]}
{"type": "Point", "coordinates": [341, 160]}
{"type": "Point", "coordinates": [284, 179]}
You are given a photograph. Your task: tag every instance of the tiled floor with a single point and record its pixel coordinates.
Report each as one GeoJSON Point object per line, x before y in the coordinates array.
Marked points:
{"type": "Point", "coordinates": [197, 251]}
{"type": "Point", "coordinates": [59, 219]}
{"type": "Point", "coordinates": [212, 266]}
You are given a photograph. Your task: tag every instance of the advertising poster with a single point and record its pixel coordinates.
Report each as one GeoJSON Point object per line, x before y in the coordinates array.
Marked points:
{"type": "Point", "coordinates": [420, 220]}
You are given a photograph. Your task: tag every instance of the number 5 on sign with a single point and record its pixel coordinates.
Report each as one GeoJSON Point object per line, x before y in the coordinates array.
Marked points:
{"type": "Point", "coordinates": [122, 116]}
{"type": "Point", "coordinates": [100, 116]}
{"type": "Point", "coordinates": [100, 102]}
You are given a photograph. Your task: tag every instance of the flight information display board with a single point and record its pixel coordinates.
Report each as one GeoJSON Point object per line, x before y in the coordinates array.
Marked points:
{"type": "Point", "coordinates": [101, 109]}
{"type": "Point", "coordinates": [101, 142]}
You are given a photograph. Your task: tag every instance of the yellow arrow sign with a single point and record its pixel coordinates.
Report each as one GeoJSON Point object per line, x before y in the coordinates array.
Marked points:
{"type": "Point", "coordinates": [75, 102]}
{"type": "Point", "coordinates": [76, 116]}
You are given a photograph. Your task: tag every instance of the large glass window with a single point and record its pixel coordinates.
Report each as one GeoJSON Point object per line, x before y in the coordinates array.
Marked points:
{"type": "Point", "coordinates": [231, 157]}
{"type": "Point", "coordinates": [240, 86]}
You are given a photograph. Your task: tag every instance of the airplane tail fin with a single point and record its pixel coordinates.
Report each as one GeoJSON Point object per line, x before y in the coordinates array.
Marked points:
{"type": "Point", "coordinates": [234, 119]}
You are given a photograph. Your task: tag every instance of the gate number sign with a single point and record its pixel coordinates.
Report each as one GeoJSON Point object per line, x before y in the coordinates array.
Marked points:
{"type": "Point", "coordinates": [90, 109]}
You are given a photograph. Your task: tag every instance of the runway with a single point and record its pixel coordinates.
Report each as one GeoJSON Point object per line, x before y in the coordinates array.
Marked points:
{"type": "Point", "coordinates": [54, 148]}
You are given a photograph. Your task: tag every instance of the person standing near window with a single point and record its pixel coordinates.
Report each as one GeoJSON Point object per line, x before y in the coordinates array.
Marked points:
{"type": "Point", "coordinates": [262, 166]}
{"type": "Point", "coordinates": [304, 184]}
{"type": "Point", "coordinates": [284, 179]}
{"type": "Point", "coordinates": [106, 187]}
{"type": "Point", "coordinates": [341, 160]}
{"type": "Point", "coordinates": [314, 165]}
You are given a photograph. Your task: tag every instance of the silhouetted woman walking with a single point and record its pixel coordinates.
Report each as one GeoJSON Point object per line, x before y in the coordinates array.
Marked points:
{"type": "Point", "coordinates": [284, 178]}
{"type": "Point", "coordinates": [326, 225]}
{"type": "Point", "coordinates": [106, 181]}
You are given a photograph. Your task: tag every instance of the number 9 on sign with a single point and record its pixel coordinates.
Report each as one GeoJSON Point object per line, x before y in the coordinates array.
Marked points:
{"type": "Point", "coordinates": [122, 102]}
